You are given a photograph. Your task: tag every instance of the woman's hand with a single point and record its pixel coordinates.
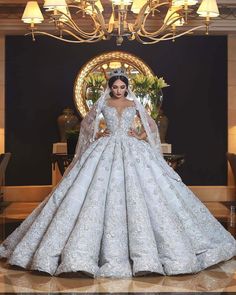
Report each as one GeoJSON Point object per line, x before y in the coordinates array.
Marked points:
{"type": "Point", "coordinates": [141, 136]}
{"type": "Point", "coordinates": [104, 133]}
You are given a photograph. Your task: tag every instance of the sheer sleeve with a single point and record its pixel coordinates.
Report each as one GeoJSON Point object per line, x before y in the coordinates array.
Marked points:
{"type": "Point", "coordinates": [154, 132]}
{"type": "Point", "coordinates": [88, 129]}
{"type": "Point", "coordinates": [86, 135]}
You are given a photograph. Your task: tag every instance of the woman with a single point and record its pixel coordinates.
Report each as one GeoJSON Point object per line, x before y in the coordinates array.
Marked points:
{"type": "Point", "coordinates": [120, 210]}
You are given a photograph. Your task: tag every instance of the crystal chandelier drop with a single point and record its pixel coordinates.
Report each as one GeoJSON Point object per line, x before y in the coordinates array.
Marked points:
{"type": "Point", "coordinates": [127, 18]}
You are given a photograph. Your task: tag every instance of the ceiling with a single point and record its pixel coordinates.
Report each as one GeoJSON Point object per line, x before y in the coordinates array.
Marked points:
{"type": "Point", "coordinates": [11, 12]}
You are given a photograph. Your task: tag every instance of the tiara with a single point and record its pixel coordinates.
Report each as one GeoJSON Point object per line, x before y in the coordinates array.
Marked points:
{"type": "Point", "coordinates": [118, 72]}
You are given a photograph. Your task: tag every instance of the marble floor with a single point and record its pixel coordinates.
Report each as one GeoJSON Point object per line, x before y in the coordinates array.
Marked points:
{"type": "Point", "coordinates": [218, 278]}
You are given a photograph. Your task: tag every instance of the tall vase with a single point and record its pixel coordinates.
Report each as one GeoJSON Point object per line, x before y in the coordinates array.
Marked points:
{"type": "Point", "coordinates": [67, 122]}
{"type": "Point", "coordinates": [156, 104]}
{"type": "Point", "coordinates": [162, 123]}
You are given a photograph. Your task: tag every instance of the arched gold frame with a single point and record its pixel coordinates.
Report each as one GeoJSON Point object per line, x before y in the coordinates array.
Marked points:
{"type": "Point", "coordinates": [97, 62]}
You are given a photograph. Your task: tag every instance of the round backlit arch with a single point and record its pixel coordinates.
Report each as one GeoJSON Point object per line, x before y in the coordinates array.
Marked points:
{"type": "Point", "coordinates": [111, 59]}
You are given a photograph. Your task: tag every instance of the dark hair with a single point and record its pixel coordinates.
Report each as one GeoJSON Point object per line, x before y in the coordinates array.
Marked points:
{"type": "Point", "coordinates": [114, 78]}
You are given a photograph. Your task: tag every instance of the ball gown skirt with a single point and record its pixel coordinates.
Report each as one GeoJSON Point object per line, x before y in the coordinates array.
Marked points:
{"type": "Point", "coordinates": [119, 213]}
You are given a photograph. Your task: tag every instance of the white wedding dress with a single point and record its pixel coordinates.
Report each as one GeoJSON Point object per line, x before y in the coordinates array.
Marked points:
{"type": "Point", "coordinates": [117, 213]}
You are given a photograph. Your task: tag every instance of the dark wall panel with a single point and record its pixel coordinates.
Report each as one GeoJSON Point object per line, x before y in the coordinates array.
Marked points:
{"type": "Point", "coordinates": [39, 84]}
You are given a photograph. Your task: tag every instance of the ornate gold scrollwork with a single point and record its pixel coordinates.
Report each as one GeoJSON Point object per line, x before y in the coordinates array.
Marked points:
{"type": "Point", "coordinates": [132, 63]}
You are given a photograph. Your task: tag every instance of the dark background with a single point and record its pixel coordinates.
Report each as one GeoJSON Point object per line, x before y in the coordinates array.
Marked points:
{"type": "Point", "coordinates": [39, 83]}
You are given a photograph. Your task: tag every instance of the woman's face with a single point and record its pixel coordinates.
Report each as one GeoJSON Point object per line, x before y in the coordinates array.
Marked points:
{"type": "Point", "coordinates": [118, 89]}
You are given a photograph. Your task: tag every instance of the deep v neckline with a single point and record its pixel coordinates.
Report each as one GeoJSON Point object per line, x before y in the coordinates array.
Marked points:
{"type": "Point", "coordinates": [119, 113]}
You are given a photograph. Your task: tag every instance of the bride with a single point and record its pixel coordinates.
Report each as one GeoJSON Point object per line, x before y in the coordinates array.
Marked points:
{"type": "Point", "coordinates": [120, 210]}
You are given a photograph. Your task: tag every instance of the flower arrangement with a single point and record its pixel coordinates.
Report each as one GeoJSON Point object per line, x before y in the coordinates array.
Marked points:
{"type": "Point", "coordinates": [95, 83]}
{"type": "Point", "coordinates": [149, 87]}
{"type": "Point", "coordinates": [141, 85]}
{"type": "Point", "coordinates": [156, 84]}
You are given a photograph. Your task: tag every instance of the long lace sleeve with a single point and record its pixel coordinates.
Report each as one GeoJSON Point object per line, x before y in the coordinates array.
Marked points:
{"type": "Point", "coordinates": [87, 127]}
{"type": "Point", "coordinates": [155, 132]}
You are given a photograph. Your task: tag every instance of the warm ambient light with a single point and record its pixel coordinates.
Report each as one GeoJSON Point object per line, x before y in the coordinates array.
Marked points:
{"type": "Point", "coordinates": [54, 4]}
{"type": "Point", "coordinates": [121, 2]}
{"type": "Point", "coordinates": [173, 17]}
{"type": "Point", "coordinates": [184, 2]}
{"type": "Point", "coordinates": [208, 8]}
{"type": "Point", "coordinates": [65, 19]}
{"type": "Point", "coordinates": [32, 13]}
{"type": "Point", "coordinates": [137, 5]}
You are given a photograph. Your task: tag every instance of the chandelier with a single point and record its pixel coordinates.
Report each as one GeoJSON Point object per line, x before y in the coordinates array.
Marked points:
{"type": "Point", "coordinates": [127, 18]}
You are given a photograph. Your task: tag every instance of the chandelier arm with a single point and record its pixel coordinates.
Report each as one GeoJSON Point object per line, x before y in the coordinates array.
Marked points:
{"type": "Point", "coordinates": [75, 27]}
{"type": "Point", "coordinates": [141, 16]}
{"type": "Point", "coordinates": [74, 6]}
{"type": "Point", "coordinates": [162, 28]}
{"type": "Point", "coordinates": [143, 32]}
{"type": "Point", "coordinates": [72, 25]}
{"type": "Point", "coordinates": [154, 40]}
{"type": "Point", "coordinates": [81, 32]}
{"type": "Point", "coordinates": [90, 39]}
{"type": "Point", "coordinates": [63, 22]}
{"type": "Point", "coordinates": [165, 37]}
{"type": "Point", "coordinates": [185, 33]}
{"type": "Point", "coordinates": [79, 40]}
{"type": "Point", "coordinates": [101, 21]}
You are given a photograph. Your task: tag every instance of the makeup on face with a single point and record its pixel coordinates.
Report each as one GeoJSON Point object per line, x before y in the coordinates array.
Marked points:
{"type": "Point", "coordinates": [118, 89]}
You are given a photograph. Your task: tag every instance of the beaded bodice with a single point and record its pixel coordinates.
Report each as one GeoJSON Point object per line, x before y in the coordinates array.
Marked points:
{"type": "Point", "coordinates": [118, 122]}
